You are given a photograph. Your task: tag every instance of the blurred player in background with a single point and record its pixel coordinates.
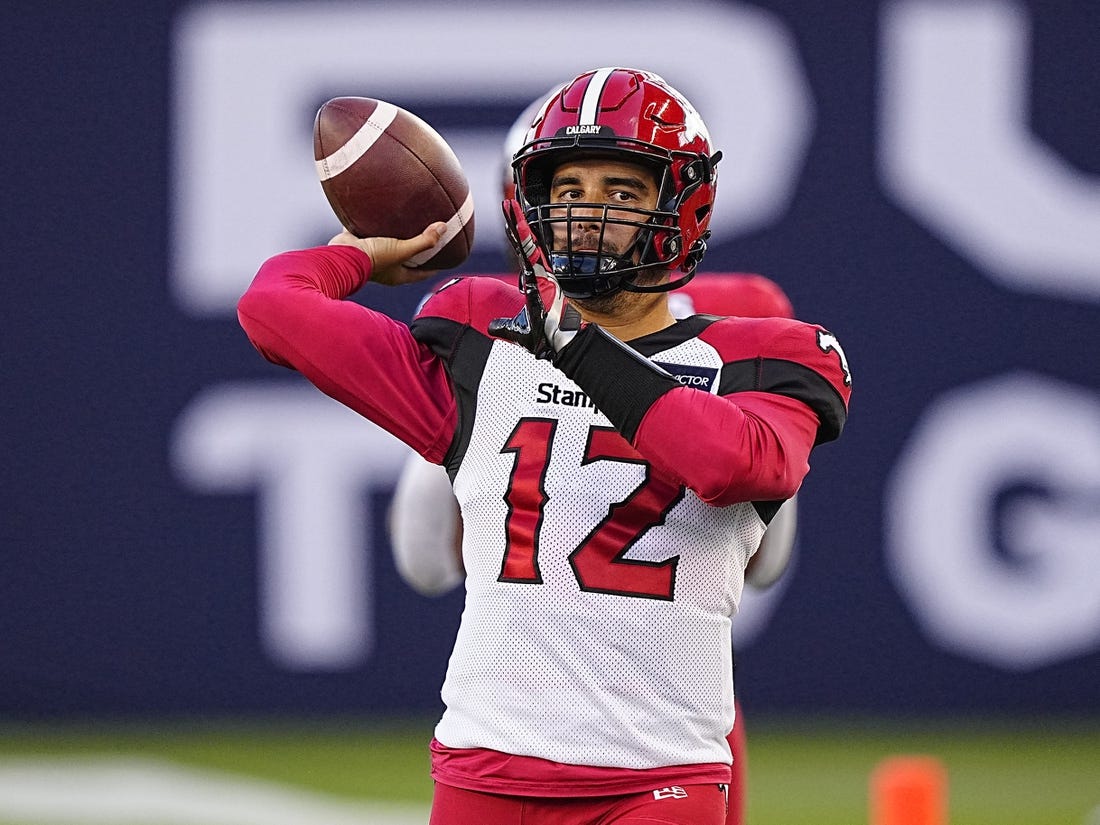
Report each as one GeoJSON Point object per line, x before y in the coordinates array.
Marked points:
{"type": "Point", "coordinates": [616, 468]}
{"type": "Point", "coordinates": [425, 523]}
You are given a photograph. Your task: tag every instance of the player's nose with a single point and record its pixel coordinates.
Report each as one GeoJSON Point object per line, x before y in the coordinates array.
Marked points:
{"type": "Point", "coordinates": [586, 217]}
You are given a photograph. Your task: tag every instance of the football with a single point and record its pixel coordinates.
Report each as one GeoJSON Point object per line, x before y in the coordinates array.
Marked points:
{"type": "Point", "coordinates": [387, 173]}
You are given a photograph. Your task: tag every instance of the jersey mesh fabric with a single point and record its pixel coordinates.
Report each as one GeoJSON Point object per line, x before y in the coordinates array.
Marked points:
{"type": "Point", "coordinates": [555, 671]}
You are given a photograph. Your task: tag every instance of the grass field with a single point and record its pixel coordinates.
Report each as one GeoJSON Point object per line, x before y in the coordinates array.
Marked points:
{"type": "Point", "coordinates": [376, 773]}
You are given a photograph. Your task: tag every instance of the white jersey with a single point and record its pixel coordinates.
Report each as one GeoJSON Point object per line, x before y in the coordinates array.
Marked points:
{"type": "Point", "coordinates": [566, 652]}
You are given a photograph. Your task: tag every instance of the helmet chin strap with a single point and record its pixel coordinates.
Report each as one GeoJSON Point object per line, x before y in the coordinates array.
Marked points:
{"type": "Point", "coordinates": [579, 269]}
{"type": "Point", "coordinates": [587, 263]}
{"type": "Point", "coordinates": [594, 274]}
{"type": "Point", "coordinates": [667, 286]}
{"type": "Point", "coordinates": [588, 275]}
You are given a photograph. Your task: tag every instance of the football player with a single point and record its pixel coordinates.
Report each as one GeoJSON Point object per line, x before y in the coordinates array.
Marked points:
{"type": "Point", "coordinates": [425, 525]}
{"type": "Point", "coordinates": [615, 467]}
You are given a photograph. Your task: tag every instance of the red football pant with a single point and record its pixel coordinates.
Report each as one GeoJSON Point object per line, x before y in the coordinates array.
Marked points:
{"type": "Point", "coordinates": [735, 815]}
{"type": "Point", "coordinates": [676, 805]}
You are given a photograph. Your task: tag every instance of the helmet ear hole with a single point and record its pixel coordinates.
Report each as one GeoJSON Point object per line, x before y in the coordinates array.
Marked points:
{"type": "Point", "coordinates": [696, 252]}
{"type": "Point", "coordinates": [702, 212]}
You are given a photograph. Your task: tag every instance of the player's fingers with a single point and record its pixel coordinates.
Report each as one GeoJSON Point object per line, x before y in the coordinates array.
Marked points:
{"type": "Point", "coordinates": [385, 252]}
{"type": "Point", "coordinates": [390, 256]}
{"type": "Point", "coordinates": [389, 251]}
{"type": "Point", "coordinates": [432, 235]}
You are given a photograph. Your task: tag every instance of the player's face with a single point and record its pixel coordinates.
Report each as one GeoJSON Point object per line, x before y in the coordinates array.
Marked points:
{"type": "Point", "coordinates": [602, 182]}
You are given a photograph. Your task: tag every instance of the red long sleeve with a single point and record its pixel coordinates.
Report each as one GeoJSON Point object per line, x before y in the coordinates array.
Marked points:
{"type": "Point", "coordinates": [295, 315]}
{"type": "Point", "coordinates": [750, 446]}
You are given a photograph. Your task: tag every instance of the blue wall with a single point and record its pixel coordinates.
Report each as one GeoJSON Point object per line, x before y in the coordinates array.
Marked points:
{"type": "Point", "coordinates": [923, 178]}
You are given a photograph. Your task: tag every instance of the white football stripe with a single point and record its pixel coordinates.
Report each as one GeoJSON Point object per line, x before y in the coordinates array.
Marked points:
{"type": "Point", "coordinates": [590, 105]}
{"type": "Point", "coordinates": [360, 142]}
{"type": "Point", "coordinates": [454, 226]}
{"type": "Point", "coordinates": [120, 790]}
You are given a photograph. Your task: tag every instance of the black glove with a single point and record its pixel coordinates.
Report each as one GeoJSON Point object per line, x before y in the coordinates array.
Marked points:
{"type": "Point", "coordinates": [544, 332]}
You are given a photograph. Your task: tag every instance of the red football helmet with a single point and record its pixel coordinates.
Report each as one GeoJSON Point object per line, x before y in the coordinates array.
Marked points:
{"type": "Point", "coordinates": [633, 116]}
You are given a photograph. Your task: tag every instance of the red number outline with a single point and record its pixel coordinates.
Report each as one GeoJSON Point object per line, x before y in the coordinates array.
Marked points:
{"type": "Point", "coordinates": [598, 562]}
{"type": "Point", "coordinates": [530, 441]}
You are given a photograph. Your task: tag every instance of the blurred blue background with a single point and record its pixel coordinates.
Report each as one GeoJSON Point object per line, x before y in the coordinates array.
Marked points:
{"type": "Point", "coordinates": [188, 530]}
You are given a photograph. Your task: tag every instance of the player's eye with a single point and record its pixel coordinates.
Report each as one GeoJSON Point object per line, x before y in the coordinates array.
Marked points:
{"type": "Point", "coordinates": [568, 195]}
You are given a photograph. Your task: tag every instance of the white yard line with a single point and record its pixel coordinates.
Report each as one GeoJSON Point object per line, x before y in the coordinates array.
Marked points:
{"type": "Point", "coordinates": [111, 790]}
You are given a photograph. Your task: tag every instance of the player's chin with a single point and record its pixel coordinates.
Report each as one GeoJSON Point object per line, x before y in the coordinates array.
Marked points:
{"type": "Point", "coordinates": [615, 303]}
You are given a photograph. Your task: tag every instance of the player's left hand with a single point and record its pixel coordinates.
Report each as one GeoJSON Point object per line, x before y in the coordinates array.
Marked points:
{"type": "Point", "coordinates": [388, 255]}
{"type": "Point", "coordinates": [545, 332]}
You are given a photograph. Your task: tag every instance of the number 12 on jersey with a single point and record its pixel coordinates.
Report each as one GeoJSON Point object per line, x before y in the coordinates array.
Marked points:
{"type": "Point", "coordinates": [598, 561]}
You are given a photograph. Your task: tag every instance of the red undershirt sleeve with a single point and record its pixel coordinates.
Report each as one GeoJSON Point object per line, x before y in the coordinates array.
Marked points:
{"type": "Point", "coordinates": [747, 446]}
{"type": "Point", "coordinates": [750, 446]}
{"type": "Point", "coordinates": [295, 315]}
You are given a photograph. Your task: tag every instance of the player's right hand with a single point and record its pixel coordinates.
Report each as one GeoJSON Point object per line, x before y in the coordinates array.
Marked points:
{"type": "Point", "coordinates": [388, 255]}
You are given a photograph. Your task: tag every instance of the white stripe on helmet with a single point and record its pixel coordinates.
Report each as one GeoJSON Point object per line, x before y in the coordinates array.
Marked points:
{"type": "Point", "coordinates": [590, 106]}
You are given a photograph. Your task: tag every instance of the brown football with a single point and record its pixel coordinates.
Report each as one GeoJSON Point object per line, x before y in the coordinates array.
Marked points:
{"type": "Point", "coordinates": [387, 173]}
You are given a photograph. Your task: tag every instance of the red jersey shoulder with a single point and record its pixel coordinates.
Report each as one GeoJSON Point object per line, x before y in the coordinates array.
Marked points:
{"type": "Point", "coordinates": [783, 339]}
{"type": "Point", "coordinates": [732, 293]}
{"type": "Point", "coordinates": [473, 300]}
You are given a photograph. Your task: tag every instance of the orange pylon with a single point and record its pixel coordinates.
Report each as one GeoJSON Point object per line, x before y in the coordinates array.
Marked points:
{"type": "Point", "coordinates": [909, 790]}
